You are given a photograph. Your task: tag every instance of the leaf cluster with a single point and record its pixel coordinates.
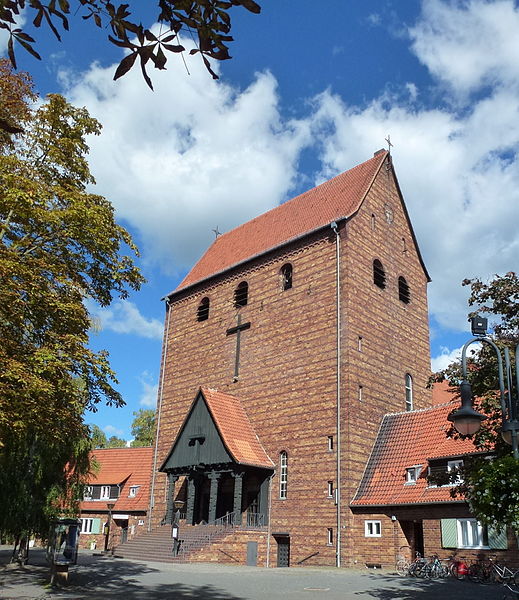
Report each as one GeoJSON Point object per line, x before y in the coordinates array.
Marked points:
{"type": "Point", "coordinates": [209, 20]}
{"type": "Point", "coordinates": [143, 427]}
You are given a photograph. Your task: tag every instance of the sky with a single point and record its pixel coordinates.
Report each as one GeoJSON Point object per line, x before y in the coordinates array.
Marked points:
{"type": "Point", "coordinates": [313, 89]}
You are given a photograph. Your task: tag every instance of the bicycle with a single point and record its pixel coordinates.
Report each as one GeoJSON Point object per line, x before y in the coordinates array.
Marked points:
{"type": "Point", "coordinates": [457, 567]}
{"type": "Point", "coordinates": [402, 562]}
{"type": "Point", "coordinates": [434, 569]}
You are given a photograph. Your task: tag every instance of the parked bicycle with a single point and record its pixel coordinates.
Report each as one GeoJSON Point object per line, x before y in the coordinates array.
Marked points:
{"type": "Point", "coordinates": [457, 567]}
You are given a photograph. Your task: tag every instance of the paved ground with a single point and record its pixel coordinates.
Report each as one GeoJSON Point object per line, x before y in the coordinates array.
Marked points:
{"type": "Point", "coordinates": [98, 577]}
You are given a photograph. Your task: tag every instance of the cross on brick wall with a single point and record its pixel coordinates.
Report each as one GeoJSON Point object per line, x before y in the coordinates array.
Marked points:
{"type": "Point", "coordinates": [237, 330]}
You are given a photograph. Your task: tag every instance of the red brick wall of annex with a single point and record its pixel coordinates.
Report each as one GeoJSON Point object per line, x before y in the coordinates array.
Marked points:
{"type": "Point", "coordinates": [287, 380]}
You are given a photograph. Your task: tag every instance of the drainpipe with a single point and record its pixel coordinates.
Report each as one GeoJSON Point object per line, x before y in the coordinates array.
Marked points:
{"type": "Point", "coordinates": [335, 228]}
{"type": "Point", "coordinates": [159, 413]}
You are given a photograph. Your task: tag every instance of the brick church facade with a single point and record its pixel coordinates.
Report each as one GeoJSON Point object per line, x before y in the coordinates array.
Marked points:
{"type": "Point", "coordinates": [284, 347]}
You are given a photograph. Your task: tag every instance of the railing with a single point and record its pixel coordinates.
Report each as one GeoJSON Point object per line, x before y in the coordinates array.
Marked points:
{"type": "Point", "coordinates": [227, 520]}
{"type": "Point", "coordinates": [255, 520]}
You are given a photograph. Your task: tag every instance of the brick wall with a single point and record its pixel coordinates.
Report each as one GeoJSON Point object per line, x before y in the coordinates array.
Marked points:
{"type": "Point", "coordinates": [288, 362]}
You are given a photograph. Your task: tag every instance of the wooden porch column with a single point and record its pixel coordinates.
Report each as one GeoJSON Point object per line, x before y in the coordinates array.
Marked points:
{"type": "Point", "coordinates": [238, 493]}
{"type": "Point", "coordinates": [213, 496]}
{"type": "Point", "coordinates": [172, 479]}
{"type": "Point", "coordinates": [190, 500]}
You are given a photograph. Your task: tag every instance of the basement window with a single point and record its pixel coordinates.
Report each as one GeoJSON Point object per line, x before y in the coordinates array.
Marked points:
{"type": "Point", "coordinates": [241, 294]}
{"type": "Point", "coordinates": [403, 290]}
{"type": "Point", "coordinates": [203, 310]}
{"type": "Point", "coordinates": [379, 275]}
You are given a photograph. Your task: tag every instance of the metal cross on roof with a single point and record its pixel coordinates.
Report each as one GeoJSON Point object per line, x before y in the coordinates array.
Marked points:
{"type": "Point", "coordinates": [216, 232]}
{"type": "Point", "coordinates": [389, 144]}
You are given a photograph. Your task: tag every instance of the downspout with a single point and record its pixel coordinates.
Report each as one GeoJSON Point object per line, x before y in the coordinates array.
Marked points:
{"type": "Point", "coordinates": [335, 228]}
{"type": "Point", "coordinates": [159, 413]}
{"type": "Point", "coordinates": [269, 528]}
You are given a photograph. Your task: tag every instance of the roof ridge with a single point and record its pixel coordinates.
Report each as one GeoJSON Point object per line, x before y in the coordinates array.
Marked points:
{"type": "Point", "coordinates": [421, 410]}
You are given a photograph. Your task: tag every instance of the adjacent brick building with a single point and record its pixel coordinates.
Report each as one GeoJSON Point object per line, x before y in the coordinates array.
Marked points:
{"type": "Point", "coordinates": [117, 496]}
{"type": "Point", "coordinates": [308, 323]}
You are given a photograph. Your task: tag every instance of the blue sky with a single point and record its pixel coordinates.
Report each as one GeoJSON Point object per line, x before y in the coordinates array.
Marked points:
{"type": "Point", "coordinates": [313, 89]}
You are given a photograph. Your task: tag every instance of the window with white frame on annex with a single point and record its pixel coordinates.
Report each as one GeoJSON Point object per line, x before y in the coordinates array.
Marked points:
{"type": "Point", "coordinates": [86, 525]}
{"type": "Point", "coordinates": [372, 529]}
{"type": "Point", "coordinates": [105, 492]}
{"type": "Point", "coordinates": [453, 466]}
{"type": "Point", "coordinates": [330, 489]}
{"type": "Point", "coordinates": [408, 392]}
{"type": "Point", "coordinates": [133, 491]}
{"type": "Point", "coordinates": [330, 443]}
{"type": "Point", "coordinates": [283, 475]}
{"type": "Point", "coordinates": [89, 490]}
{"type": "Point", "coordinates": [471, 534]}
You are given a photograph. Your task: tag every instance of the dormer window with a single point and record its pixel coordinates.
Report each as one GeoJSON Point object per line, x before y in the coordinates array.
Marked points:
{"type": "Point", "coordinates": [286, 277]}
{"type": "Point", "coordinates": [412, 474]}
{"type": "Point", "coordinates": [453, 467]}
{"type": "Point", "coordinates": [241, 294]}
{"type": "Point", "coordinates": [133, 491]}
{"type": "Point", "coordinates": [203, 310]}
{"type": "Point", "coordinates": [89, 490]}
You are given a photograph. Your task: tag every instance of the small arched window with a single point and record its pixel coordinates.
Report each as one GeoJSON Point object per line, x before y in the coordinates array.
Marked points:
{"type": "Point", "coordinates": [408, 392]}
{"type": "Point", "coordinates": [403, 290]}
{"type": "Point", "coordinates": [286, 277]}
{"type": "Point", "coordinates": [379, 275]}
{"type": "Point", "coordinates": [283, 475]}
{"type": "Point", "coordinates": [241, 294]}
{"type": "Point", "coordinates": [203, 310]}
{"type": "Point", "coordinates": [373, 222]}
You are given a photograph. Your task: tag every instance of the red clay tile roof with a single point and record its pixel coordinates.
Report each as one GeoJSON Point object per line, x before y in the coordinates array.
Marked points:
{"type": "Point", "coordinates": [235, 429]}
{"type": "Point", "coordinates": [333, 200]}
{"type": "Point", "coordinates": [406, 440]}
{"type": "Point", "coordinates": [442, 393]}
{"type": "Point", "coordinates": [129, 466]}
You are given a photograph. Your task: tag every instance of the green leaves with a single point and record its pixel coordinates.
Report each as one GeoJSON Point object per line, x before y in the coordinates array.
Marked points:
{"type": "Point", "coordinates": [59, 245]}
{"type": "Point", "coordinates": [210, 19]}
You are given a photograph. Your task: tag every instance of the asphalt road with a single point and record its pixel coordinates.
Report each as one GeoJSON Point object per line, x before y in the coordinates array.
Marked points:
{"type": "Point", "coordinates": [102, 578]}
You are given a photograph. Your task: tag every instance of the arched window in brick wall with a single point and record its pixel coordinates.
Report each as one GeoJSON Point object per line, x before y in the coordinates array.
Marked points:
{"type": "Point", "coordinates": [241, 294]}
{"type": "Point", "coordinates": [404, 294]}
{"type": "Point", "coordinates": [379, 275]}
{"type": "Point", "coordinates": [408, 392]}
{"type": "Point", "coordinates": [286, 277]}
{"type": "Point", "coordinates": [203, 310]}
{"type": "Point", "coordinates": [283, 475]}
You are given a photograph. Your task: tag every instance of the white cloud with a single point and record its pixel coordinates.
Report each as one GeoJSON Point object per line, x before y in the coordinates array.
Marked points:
{"type": "Point", "coordinates": [469, 44]}
{"type": "Point", "coordinates": [149, 390]}
{"type": "Point", "coordinates": [444, 359]}
{"type": "Point", "coordinates": [193, 155]}
{"type": "Point", "coordinates": [124, 317]}
{"type": "Point", "coordinates": [111, 430]}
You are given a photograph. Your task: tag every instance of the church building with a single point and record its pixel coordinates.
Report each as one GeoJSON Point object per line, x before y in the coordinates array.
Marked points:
{"type": "Point", "coordinates": [284, 346]}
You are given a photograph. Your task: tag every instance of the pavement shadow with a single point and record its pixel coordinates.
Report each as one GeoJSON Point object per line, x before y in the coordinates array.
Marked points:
{"type": "Point", "coordinates": [97, 577]}
{"type": "Point", "coordinates": [423, 589]}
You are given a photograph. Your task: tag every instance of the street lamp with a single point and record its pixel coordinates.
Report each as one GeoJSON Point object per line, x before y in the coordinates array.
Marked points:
{"type": "Point", "coordinates": [466, 420]}
{"type": "Point", "coordinates": [110, 507]}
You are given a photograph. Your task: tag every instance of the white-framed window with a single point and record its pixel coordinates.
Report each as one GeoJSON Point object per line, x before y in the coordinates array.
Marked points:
{"type": "Point", "coordinates": [453, 466]}
{"type": "Point", "coordinates": [283, 475]}
{"type": "Point", "coordinates": [133, 491]}
{"type": "Point", "coordinates": [86, 525]}
{"type": "Point", "coordinates": [330, 489]}
{"type": "Point", "coordinates": [412, 474]}
{"type": "Point", "coordinates": [372, 529]}
{"type": "Point", "coordinates": [140, 522]}
{"type": "Point", "coordinates": [408, 392]}
{"type": "Point", "coordinates": [105, 492]}
{"type": "Point", "coordinates": [89, 490]}
{"type": "Point", "coordinates": [329, 533]}
{"type": "Point", "coordinates": [330, 443]}
{"type": "Point", "coordinates": [471, 534]}
{"type": "Point", "coordinates": [360, 393]}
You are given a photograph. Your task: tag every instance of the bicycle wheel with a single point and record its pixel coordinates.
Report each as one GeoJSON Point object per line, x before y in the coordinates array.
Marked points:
{"type": "Point", "coordinates": [402, 567]}
{"type": "Point", "coordinates": [474, 572]}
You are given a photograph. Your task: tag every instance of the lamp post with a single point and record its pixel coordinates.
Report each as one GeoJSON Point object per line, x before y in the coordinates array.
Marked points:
{"type": "Point", "coordinates": [466, 420]}
{"type": "Point", "coordinates": [110, 507]}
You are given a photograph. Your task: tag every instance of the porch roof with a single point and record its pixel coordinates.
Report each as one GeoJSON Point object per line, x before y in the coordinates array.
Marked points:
{"type": "Point", "coordinates": [235, 429]}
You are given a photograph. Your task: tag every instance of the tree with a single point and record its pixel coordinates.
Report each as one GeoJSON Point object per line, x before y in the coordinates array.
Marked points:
{"type": "Point", "coordinates": [491, 487]}
{"type": "Point", "coordinates": [143, 427]}
{"type": "Point", "coordinates": [208, 19]}
{"type": "Point", "coordinates": [97, 437]}
{"type": "Point", "coordinates": [115, 442]}
{"type": "Point", "coordinates": [59, 245]}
